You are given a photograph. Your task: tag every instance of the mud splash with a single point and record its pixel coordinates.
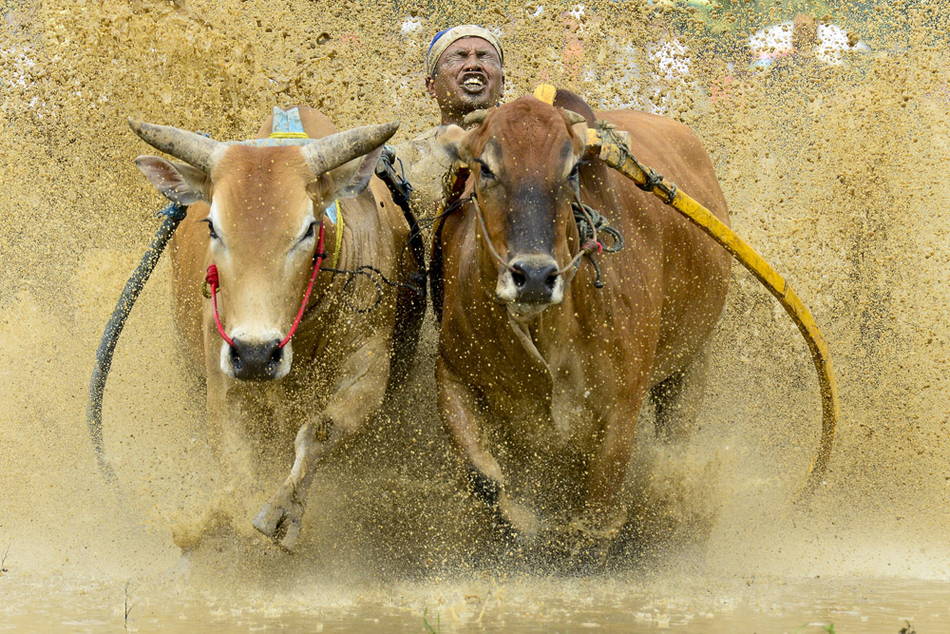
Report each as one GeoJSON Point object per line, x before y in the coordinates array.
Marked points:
{"type": "Point", "coordinates": [835, 173]}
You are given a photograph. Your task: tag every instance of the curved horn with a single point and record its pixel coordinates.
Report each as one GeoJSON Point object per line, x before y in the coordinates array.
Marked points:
{"type": "Point", "coordinates": [332, 151]}
{"type": "Point", "coordinates": [192, 148]}
{"type": "Point", "coordinates": [475, 116]}
{"type": "Point", "coordinates": [574, 117]}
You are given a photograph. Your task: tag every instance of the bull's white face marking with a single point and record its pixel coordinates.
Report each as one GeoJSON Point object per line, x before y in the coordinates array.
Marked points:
{"type": "Point", "coordinates": [260, 325]}
{"type": "Point", "coordinates": [506, 291]}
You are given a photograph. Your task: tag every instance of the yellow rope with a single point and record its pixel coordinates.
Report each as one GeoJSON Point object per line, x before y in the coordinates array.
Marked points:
{"type": "Point", "coordinates": [338, 238]}
{"type": "Point", "coordinates": [620, 159]}
{"type": "Point", "coordinates": [289, 135]}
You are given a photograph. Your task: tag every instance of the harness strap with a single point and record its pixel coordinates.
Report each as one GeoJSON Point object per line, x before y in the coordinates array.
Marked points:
{"type": "Point", "coordinates": [401, 191]}
{"type": "Point", "coordinates": [612, 149]}
{"type": "Point", "coordinates": [335, 214]}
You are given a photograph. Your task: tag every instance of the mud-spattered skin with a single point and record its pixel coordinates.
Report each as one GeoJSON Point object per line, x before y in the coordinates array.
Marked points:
{"type": "Point", "coordinates": [605, 348]}
{"type": "Point", "coordinates": [340, 359]}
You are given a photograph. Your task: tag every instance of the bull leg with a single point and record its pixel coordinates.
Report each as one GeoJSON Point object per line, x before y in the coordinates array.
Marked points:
{"type": "Point", "coordinates": [605, 509]}
{"type": "Point", "coordinates": [229, 415]}
{"type": "Point", "coordinates": [677, 400]}
{"type": "Point", "coordinates": [459, 412]}
{"type": "Point", "coordinates": [358, 394]}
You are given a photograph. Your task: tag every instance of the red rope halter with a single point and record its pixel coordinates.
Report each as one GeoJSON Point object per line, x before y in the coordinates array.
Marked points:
{"type": "Point", "coordinates": [213, 282]}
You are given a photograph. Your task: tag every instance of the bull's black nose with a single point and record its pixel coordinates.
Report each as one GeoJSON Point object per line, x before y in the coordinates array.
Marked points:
{"type": "Point", "coordinates": [255, 361]}
{"type": "Point", "coordinates": [534, 281]}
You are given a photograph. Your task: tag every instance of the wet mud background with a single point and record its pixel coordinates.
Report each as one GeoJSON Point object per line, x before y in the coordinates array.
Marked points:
{"type": "Point", "coordinates": [836, 174]}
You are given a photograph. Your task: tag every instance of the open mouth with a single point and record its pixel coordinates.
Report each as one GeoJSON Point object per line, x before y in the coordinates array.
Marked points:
{"type": "Point", "coordinates": [472, 82]}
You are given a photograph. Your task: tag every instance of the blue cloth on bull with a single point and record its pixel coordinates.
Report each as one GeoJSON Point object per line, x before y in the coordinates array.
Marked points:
{"type": "Point", "coordinates": [286, 129]}
{"type": "Point", "coordinates": [332, 210]}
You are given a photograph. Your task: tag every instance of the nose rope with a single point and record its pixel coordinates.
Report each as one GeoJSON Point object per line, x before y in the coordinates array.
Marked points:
{"type": "Point", "coordinates": [590, 246]}
{"type": "Point", "coordinates": [213, 282]}
{"type": "Point", "coordinates": [481, 223]}
{"type": "Point", "coordinates": [317, 261]}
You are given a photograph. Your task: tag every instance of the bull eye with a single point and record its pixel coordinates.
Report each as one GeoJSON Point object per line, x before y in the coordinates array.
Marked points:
{"type": "Point", "coordinates": [309, 232]}
{"type": "Point", "coordinates": [486, 171]}
{"type": "Point", "coordinates": [211, 232]}
{"type": "Point", "coordinates": [575, 172]}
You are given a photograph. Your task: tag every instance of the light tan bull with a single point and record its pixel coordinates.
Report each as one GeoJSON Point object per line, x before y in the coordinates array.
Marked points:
{"type": "Point", "coordinates": [255, 212]}
{"type": "Point", "coordinates": [541, 376]}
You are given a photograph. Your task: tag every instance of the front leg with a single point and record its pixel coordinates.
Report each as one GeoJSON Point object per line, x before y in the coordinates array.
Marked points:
{"type": "Point", "coordinates": [358, 392]}
{"type": "Point", "coordinates": [232, 409]}
{"type": "Point", "coordinates": [604, 513]}
{"type": "Point", "coordinates": [460, 414]}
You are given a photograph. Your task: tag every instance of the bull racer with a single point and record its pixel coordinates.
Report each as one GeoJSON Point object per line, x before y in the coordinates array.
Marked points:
{"type": "Point", "coordinates": [464, 73]}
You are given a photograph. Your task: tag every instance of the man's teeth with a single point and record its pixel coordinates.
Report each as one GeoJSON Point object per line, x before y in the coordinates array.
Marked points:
{"type": "Point", "coordinates": [473, 82]}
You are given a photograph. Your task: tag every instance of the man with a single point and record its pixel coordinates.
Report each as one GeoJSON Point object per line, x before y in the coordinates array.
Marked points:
{"type": "Point", "coordinates": [464, 73]}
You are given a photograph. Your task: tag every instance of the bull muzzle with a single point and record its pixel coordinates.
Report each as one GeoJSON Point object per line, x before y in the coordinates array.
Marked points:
{"type": "Point", "coordinates": [254, 360]}
{"type": "Point", "coordinates": [530, 283]}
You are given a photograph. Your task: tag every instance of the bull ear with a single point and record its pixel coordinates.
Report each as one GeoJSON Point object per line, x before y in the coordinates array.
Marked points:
{"type": "Point", "coordinates": [354, 176]}
{"type": "Point", "coordinates": [179, 183]}
{"type": "Point", "coordinates": [452, 140]}
{"type": "Point", "coordinates": [573, 117]}
{"type": "Point", "coordinates": [577, 123]}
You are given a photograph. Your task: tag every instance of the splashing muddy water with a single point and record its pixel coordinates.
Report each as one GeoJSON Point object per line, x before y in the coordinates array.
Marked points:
{"type": "Point", "coordinates": [835, 172]}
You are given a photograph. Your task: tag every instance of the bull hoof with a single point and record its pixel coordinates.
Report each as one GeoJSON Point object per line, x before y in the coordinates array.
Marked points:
{"type": "Point", "coordinates": [280, 522]}
{"type": "Point", "coordinates": [522, 521]}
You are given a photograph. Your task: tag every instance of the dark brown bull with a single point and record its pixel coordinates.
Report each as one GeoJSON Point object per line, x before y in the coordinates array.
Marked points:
{"type": "Point", "coordinates": [541, 376]}
{"type": "Point", "coordinates": [256, 212]}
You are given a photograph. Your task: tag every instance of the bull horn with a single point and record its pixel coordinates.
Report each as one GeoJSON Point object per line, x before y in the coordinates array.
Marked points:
{"type": "Point", "coordinates": [332, 151]}
{"type": "Point", "coordinates": [574, 117]}
{"type": "Point", "coordinates": [189, 147]}
{"type": "Point", "coordinates": [475, 116]}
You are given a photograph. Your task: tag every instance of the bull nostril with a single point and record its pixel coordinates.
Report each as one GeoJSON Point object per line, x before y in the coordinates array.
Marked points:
{"type": "Point", "coordinates": [235, 356]}
{"type": "Point", "coordinates": [277, 354]}
{"type": "Point", "coordinates": [518, 276]}
{"type": "Point", "coordinates": [551, 280]}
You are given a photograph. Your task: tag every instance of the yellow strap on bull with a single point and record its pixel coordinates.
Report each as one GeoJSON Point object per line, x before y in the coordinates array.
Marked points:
{"type": "Point", "coordinates": [545, 93]}
{"type": "Point", "coordinates": [613, 150]}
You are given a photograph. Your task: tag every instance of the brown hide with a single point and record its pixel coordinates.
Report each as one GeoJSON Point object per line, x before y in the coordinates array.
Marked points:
{"type": "Point", "coordinates": [565, 393]}
{"type": "Point", "coordinates": [341, 359]}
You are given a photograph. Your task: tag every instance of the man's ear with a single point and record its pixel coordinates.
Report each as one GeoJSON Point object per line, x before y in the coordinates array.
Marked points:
{"type": "Point", "coordinates": [452, 140]}
{"type": "Point", "coordinates": [350, 179]}
{"type": "Point", "coordinates": [178, 182]}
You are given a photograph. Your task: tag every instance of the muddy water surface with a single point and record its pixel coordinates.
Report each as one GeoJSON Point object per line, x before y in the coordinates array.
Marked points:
{"type": "Point", "coordinates": [837, 174]}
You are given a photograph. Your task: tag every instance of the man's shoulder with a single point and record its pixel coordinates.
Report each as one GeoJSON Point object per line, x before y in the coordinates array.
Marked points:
{"type": "Point", "coordinates": [428, 139]}
{"type": "Point", "coordinates": [425, 162]}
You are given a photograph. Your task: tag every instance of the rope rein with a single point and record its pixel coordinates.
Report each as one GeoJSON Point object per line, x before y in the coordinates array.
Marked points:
{"type": "Point", "coordinates": [588, 220]}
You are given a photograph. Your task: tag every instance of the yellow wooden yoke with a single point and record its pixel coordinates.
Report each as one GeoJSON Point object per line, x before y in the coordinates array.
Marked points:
{"type": "Point", "coordinates": [611, 148]}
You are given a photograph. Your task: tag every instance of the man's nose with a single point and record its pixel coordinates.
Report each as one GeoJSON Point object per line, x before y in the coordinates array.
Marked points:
{"type": "Point", "coordinates": [473, 62]}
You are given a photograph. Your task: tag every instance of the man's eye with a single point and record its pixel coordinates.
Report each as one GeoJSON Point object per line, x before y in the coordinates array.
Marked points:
{"type": "Point", "coordinates": [211, 232]}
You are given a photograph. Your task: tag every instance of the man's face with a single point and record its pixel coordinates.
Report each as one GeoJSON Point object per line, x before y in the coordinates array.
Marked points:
{"type": "Point", "coordinates": [468, 76]}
